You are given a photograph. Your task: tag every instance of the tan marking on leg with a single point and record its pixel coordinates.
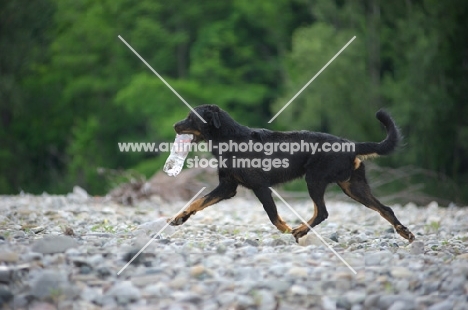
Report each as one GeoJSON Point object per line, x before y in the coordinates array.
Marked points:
{"type": "Point", "coordinates": [282, 226]}
{"type": "Point", "coordinates": [200, 204]}
{"type": "Point", "coordinates": [357, 163]}
{"type": "Point", "coordinates": [303, 229]}
{"type": "Point", "coordinates": [197, 205]}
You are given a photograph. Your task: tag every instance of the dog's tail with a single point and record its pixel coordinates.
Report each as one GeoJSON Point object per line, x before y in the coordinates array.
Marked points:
{"type": "Point", "coordinates": [366, 150]}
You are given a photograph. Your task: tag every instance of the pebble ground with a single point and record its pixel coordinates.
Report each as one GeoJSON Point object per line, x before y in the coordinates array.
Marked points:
{"type": "Point", "coordinates": [65, 252]}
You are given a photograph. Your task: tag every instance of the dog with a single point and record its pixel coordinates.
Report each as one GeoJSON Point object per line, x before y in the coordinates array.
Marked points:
{"type": "Point", "coordinates": [345, 168]}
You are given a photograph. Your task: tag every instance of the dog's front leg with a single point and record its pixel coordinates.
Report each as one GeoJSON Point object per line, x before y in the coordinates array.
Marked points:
{"type": "Point", "coordinates": [264, 195]}
{"type": "Point", "coordinates": [223, 191]}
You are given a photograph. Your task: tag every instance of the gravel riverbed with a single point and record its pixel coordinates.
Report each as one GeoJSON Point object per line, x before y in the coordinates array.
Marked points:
{"type": "Point", "coordinates": [65, 252]}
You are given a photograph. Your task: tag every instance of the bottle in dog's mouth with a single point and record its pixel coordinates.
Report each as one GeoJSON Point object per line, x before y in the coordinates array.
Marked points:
{"type": "Point", "coordinates": [179, 152]}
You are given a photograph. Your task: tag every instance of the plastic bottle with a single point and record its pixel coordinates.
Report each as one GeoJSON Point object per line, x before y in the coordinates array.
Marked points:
{"type": "Point", "coordinates": [179, 152]}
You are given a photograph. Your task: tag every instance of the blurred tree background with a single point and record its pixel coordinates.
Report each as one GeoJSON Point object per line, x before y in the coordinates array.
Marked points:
{"type": "Point", "coordinates": [70, 90]}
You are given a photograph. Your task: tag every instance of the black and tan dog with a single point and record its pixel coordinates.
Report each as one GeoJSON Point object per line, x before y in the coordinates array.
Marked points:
{"type": "Point", "coordinates": [320, 169]}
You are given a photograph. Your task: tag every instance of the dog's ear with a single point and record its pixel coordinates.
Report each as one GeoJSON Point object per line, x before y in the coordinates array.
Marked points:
{"type": "Point", "coordinates": [213, 119]}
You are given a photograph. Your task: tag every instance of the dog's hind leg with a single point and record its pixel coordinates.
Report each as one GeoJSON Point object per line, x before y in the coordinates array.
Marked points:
{"type": "Point", "coordinates": [225, 190]}
{"type": "Point", "coordinates": [316, 191]}
{"type": "Point", "coordinates": [358, 189]}
{"type": "Point", "coordinates": [264, 195]}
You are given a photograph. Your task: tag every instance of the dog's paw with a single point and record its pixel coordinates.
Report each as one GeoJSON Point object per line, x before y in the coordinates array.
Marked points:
{"type": "Point", "coordinates": [405, 233]}
{"type": "Point", "coordinates": [179, 219]}
{"type": "Point", "coordinates": [300, 232]}
{"type": "Point", "coordinates": [288, 230]}
{"type": "Point", "coordinates": [283, 227]}
{"type": "Point", "coordinates": [176, 222]}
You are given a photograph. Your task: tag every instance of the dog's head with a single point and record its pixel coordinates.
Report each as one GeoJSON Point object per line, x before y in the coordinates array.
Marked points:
{"type": "Point", "coordinates": [212, 114]}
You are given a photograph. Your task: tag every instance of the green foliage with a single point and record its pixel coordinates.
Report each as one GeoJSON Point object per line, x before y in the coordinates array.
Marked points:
{"type": "Point", "coordinates": [149, 167]}
{"type": "Point", "coordinates": [84, 152]}
{"type": "Point", "coordinates": [340, 92]}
